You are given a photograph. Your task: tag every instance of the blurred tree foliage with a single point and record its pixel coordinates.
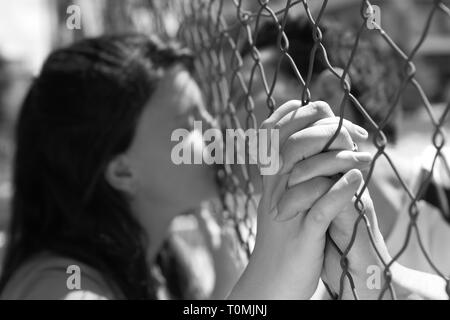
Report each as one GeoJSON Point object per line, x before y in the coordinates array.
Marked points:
{"type": "Point", "coordinates": [115, 16]}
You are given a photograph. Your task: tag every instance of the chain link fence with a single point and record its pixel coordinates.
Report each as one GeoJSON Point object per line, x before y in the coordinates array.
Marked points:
{"type": "Point", "coordinates": [218, 30]}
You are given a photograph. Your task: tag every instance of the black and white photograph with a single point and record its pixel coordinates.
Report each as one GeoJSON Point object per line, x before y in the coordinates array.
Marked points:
{"type": "Point", "coordinates": [224, 154]}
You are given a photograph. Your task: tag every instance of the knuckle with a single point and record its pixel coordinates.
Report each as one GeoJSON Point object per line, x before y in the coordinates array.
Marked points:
{"type": "Point", "coordinates": [302, 168]}
{"type": "Point", "coordinates": [322, 109]}
{"type": "Point", "coordinates": [319, 216]}
{"type": "Point", "coordinates": [329, 132]}
{"type": "Point", "coordinates": [266, 124]}
{"type": "Point", "coordinates": [290, 143]}
{"type": "Point", "coordinates": [276, 126]}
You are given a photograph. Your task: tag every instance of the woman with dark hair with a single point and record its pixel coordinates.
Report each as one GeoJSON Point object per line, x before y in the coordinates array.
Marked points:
{"type": "Point", "coordinates": [79, 116]}
{"type": "Point", "coordinates": [95, 188]}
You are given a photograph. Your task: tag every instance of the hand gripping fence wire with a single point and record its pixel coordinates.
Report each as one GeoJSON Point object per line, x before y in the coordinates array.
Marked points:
{"type": "Point", "coordinates": [219, 66]}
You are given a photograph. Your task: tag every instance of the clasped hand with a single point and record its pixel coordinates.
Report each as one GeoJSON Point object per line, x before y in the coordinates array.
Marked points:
{"type": "Point", "coordinates": [312, 193]}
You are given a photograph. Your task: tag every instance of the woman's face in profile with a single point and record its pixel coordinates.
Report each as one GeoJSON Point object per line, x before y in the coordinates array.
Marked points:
{"type": "Point", "coordinates": [176, 104]}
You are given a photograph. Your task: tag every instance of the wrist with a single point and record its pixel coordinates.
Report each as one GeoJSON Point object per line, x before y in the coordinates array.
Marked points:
{"type": "Point", "coordinates": [264, 279]}
{"type": "Point", "coordinates": [251, 284]}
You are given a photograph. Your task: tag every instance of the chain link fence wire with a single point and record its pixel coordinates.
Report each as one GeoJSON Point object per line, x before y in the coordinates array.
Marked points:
{"type": "Point", "coordinates": [216, 31]}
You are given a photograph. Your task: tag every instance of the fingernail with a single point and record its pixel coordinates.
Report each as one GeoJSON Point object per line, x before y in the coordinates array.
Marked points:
{"type": "Point", "coordinates": [352, 176]}
{"type": "Point", "coordinates": [361, 131]}
{"type": "Point", "coordinates": [363, 156]}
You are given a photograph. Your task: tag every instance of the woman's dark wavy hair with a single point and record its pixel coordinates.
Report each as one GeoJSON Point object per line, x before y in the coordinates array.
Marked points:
{"type": "Point", "coordinates": [79, 114]}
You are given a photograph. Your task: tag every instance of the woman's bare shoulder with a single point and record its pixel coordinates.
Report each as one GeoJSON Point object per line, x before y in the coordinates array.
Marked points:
{"type": "Point", "coordinates": [49, 277]}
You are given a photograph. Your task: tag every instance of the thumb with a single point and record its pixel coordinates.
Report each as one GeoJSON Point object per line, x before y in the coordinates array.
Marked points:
{"type": "Point", "coordinates": [332, 203]}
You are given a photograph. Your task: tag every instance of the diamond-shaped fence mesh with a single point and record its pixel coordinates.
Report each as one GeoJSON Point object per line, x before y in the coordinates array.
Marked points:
{"type": "Point", "coordinates": [218, 30]}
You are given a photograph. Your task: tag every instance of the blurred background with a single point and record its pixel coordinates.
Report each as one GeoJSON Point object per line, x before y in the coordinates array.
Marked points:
{"type": "Point", "coordinates": [30, 29]}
